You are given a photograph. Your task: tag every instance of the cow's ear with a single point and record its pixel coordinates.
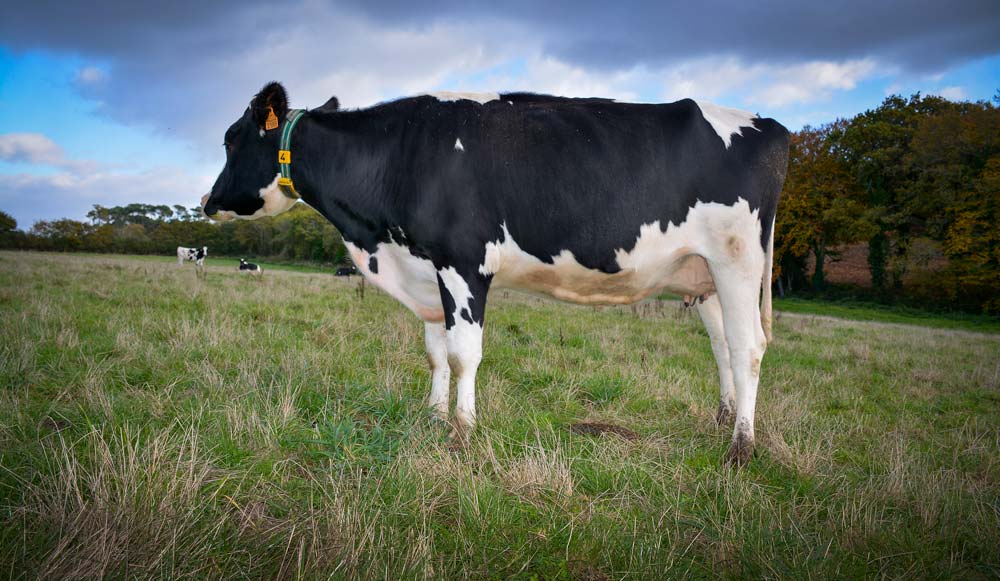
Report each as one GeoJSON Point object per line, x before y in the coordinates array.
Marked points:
{"type": "Point", "coordinates": [270, 106]}
{"type": "Point", "coordinates": [332, 104]}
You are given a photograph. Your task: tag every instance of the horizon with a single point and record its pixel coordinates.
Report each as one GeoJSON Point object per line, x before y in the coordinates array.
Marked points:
{"type": "Point", "coordinates": [114, 104]}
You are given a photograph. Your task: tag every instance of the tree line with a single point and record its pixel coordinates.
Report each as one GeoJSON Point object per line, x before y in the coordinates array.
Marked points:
{"type": "Point", "coordinates": [299, 235]}
{"type": "Point", "coordinates": [916, 181]}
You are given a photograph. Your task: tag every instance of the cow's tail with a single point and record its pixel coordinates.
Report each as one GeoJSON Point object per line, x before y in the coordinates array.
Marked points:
{"type": "Point", "coordinates": [765, 304]}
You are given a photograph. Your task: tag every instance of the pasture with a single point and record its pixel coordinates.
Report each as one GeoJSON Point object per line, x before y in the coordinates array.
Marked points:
{"type": "Point", "coordinates": [156, 425]}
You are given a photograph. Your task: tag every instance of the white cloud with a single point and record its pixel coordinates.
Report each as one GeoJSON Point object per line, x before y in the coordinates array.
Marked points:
{"type": "Point", "coordinates": [549, 75]}
{"type": "Point", "coordinates": [764, 85]}
{"type": "Point", "coordinates": [78, 184]}
{"type": "Point", "coordinates": [30, 148]}
{"type": "Point", "coordinates": [30, 197]}
{"type": "Point", "coordinates": [38, 149]}
{"type": "Point", "coordinates": [90, 76]}
{"type": "Point", "coordinates": [953, 93]}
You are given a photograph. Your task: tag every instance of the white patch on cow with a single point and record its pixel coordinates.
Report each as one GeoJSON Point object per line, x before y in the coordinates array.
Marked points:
{"type": "Point", "coordinates": [674, 259]}
{"type": "Point", "coordinates": [480, 98]}
{"type": "Point", "coordinates": [725, 121]}
{"type": "Point", "coordinates": [275, 202]}
{"type": "Point", "coordinates": [436, 342]}
{"type": "Point", "coordinates": [458, 289]}
{"type": "Point", "coordinates": [410, 280]}
{"type": "Point", "coordinates": [465, 347]}
{"type": "Point", "coordinates": [458, 145]}
{"type": "Point", "coordinates": [192, 255]}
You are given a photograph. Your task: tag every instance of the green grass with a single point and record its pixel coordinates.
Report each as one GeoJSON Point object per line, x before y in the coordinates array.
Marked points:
{"type": "Point", "coordinates": [221, 262]}
{"type": "Point", "coordinates": [886, 314]}
{"type": "Point", "coordinates": [157, 424]}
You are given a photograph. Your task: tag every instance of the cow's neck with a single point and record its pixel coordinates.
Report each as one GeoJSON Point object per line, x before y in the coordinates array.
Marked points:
{"type": "Point", "coordinates": [340, 171]}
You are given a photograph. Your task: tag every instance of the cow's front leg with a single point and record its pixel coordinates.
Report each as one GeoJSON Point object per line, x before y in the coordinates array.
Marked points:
{"type": "Point", "coordinates": [463, 295]}
{"type": "Point", "coordinates": [437, 356]}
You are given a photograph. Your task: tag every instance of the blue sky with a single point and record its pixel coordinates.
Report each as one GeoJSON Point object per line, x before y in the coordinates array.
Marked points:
{"type": "Point", "coordinates": [112, 103]}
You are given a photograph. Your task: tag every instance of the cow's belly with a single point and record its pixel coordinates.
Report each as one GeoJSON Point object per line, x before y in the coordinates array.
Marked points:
{"type": "Point", "coordinates": [410, 280]}
{"type": "Point", "coordinates": [659, 261]}
{"type": "Point", "coordinates": [567, 280]}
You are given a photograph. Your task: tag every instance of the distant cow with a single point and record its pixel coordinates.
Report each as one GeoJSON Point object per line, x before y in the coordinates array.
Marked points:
{"type": "Point", "coordinates": [346, 271]}
{"type": "Point", "coordinates": [250, 268]}
{"type": "Point", "coordinates": [196, 255]}
{"type": "Point", "coordinates": [441, 198]}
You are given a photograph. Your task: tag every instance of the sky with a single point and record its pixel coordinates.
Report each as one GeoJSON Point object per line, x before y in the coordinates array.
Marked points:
{"type": "Point", "coordinates": [114, 102]}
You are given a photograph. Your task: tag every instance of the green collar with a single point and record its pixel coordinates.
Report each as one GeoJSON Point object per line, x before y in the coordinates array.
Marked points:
{"type": "Point", "coordinates": [285, 154]}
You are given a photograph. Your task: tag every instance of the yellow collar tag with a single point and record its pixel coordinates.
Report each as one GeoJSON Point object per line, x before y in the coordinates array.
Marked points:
{"type": "Point", "coordinates": [284, 156]}
{"type": "Point", "coordinates": [272, 120]}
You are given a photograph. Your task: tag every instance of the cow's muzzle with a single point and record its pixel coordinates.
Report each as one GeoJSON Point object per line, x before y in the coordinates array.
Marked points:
{"type": "Point", "coordinates": [207, 208]}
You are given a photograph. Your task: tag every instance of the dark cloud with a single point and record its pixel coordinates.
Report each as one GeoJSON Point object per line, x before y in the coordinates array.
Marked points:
{"type": "Point", "coordinates": [186, 67]}
{"type": "Point", "coordinates": [922, 35]}
{"type": "Point", "coordinates": [917, 35]}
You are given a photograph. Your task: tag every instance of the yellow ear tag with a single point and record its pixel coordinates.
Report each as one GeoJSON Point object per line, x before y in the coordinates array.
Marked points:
{"type": "Point", "coordinates": [272, 120]}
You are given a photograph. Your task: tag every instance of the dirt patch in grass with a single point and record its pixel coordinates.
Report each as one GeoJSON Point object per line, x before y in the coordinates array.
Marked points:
{"type": "Point", "coordinates": [601, 429]}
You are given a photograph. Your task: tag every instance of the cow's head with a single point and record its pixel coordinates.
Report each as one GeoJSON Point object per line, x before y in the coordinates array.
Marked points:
{"type": "Point", "coordinates": [247, 188]}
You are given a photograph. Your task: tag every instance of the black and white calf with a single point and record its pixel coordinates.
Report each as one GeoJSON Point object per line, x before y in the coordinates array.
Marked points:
{"type": "Point", "coordinates": [442, 197]}
{"type": "Point", "coordinates": [250, 268]}
{"type": "Point", "coordinates": [196, 255]}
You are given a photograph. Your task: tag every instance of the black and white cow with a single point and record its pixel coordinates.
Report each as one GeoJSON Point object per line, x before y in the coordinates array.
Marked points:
{"type": "Point", "coordinates": [442, 197]}
{"type": "Point", "coordinates": [196, 255]}
{"type": "Point", "coordinates": [250, 268]}
{"type": "Point", "coordinates": [346, 271]}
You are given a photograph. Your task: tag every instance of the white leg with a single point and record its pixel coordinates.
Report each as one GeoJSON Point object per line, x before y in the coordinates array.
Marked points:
{"type": "Point", "coordinates": [711, 315]}
{"type": "Point", "coordinates": [737, 273]}
{"type": "Point", "coordinates": [464, 299]}
{"type": "Point", "coordinates": [465, 351]}
{"type": "Point", "coordinates": [437, 356]}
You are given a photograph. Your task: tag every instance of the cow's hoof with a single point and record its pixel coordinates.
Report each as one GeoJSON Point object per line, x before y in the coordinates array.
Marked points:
{"type": "Point", "coordinates": [725, 415]}
{"type": "Point", "coordinates": [439, 413]}
{"type": "Point", "coordinates": [458, 439]}
{"type": "Point", "coordinates": [740, 451]}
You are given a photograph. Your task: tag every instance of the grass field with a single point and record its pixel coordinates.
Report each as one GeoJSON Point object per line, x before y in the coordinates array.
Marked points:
{"type": "Point", "coordinates": [153, 424]}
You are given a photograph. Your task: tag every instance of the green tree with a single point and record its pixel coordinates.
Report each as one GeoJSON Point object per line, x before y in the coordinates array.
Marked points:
{"type": "Point", "coordinates": [7, 222]}
{"type": "Point", "coordinates": [821, 205]}
{"type": "Point", "coordinates": [876, 144]}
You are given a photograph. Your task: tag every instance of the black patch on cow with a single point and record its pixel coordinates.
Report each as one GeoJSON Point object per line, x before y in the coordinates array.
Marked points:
{"type": "Point", "coordinates": [466, 315]}
{"type": "Point", "coordinates": [354, 216]}
{"type": "Point", "coordinates": [447, 303]}
{"type": "Point", "coordinates": [373, 265]}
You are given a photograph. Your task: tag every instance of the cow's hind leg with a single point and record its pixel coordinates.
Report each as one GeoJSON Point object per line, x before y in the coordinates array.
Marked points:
{"type": "Point", "coordinates": [737, 267]}
{"type": "Point", "coordinates": [437, 355]}
{"type": "Point", "coordinates": [463, 296]}
{"type": "Point", "coordinates": [711, 314]}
